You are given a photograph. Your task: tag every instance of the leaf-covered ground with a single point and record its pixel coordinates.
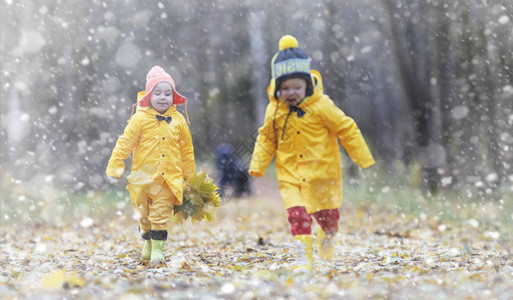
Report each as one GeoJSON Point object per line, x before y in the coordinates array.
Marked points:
{"type": "Point", "coordinates": [245, 254]}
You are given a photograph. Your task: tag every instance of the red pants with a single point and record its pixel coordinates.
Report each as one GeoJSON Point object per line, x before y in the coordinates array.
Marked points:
{"type": "Point", "coordinates": [301, 222]}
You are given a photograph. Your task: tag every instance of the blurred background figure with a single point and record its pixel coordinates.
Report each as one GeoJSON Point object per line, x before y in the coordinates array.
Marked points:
{"type": "Point", "coordinates": [233, 179]}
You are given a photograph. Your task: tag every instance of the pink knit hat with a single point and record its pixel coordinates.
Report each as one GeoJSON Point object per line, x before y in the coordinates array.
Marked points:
{"type": "Point", "coordinates": [155, 76]}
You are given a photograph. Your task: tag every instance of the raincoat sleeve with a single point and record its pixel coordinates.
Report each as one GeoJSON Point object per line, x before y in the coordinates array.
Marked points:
{"type": "Point", "coordinates": [187, 152]}
{"type": "Point", "coordinates": [265, 146]}
{"type": "Point", "coordinates": [349, 134]}
{"type": "Point", "coordinates": [124, 147]}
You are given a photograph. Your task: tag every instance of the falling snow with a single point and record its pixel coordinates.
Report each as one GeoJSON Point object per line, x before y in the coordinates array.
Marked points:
{"type": "Point", "coordinates": [429, 84]}
{"type": "Point", "coordinates": [128, 55]}
{"type": "Point", "coordinates": [460, 112]}
{"type": "Point", "coordinates": [504, 20]}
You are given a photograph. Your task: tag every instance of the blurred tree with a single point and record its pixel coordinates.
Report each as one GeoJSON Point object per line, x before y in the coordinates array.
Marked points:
{"type": "Point", "coordinates": [429, 82]}
{"type": "Point", "coordinates": [412, 40]}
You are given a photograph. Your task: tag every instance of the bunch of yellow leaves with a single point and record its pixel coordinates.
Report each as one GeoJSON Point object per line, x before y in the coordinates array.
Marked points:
{"type": "Point", "coordinates": [200, 199]}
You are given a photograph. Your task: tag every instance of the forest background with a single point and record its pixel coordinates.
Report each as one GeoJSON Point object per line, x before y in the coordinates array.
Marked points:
{"type": "Point", "coordinates": [428, 82]}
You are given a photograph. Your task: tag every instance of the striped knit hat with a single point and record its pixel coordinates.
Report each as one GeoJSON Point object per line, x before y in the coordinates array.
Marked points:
{"type": "Point", "coordinates": [291, 62]}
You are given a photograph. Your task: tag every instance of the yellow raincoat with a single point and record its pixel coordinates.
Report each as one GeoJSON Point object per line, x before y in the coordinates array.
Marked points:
{"type": "Point", "coordinates": [308, 162]}
{"type": "Point", "coordinates": [160, 150]}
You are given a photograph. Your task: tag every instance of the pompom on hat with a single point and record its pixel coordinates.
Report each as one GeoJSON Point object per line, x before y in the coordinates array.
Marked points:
{"type": "Point", "coordinates": [291, 62]}
{"type": "Point", "coordinates": [155, 76]}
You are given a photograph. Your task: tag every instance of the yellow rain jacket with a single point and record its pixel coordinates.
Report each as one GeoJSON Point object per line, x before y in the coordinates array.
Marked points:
{"type": "Point", "coordinates": [308, 162]}
{"type": "Point", "coordinates": [161, 150]}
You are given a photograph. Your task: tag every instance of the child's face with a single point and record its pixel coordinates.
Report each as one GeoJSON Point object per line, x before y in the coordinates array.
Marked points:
{"type": "Point", "coordinates": [162, 97]}
{"type": "Point", "coordinates": [292, 91]}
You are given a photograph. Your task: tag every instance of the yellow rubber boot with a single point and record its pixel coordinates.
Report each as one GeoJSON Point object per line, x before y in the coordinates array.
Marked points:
{"type": "Point", "coordinates": [304, 252]}
{"type": "Point", "coordinates": [146, 252]}
{"type": "Point", "coordinates": [326, 245]}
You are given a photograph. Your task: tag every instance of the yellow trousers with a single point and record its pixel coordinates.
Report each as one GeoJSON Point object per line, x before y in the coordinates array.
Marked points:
{"type": "Point", "coordinates": [154, 205]}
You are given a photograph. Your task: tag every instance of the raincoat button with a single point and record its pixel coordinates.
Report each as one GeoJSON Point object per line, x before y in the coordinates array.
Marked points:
{"type": "Point", "coordinates": [163, 138]}
{"type": "Point", "coordinates": [163, 155]}
{"type": "Point", "coordinates": [162, 173]}
{"type": "Point", "coordinates": [303, 179]}
{"type": "Point", "coordinates": [300, 155]}
{"type": "Point", "coordinates": [298, 132]}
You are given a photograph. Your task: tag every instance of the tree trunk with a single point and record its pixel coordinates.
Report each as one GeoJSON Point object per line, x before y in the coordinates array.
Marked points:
{"type": "Point", "coordinates": [260, 61]}
{"type": "Point", "coordinates": [411, 49]}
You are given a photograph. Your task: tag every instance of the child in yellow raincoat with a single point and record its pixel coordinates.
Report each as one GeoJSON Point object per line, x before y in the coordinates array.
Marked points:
{"type": "Point", "coordinates": [163, 156]}
{"type": "Point", "coordinates": [301, 129]}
